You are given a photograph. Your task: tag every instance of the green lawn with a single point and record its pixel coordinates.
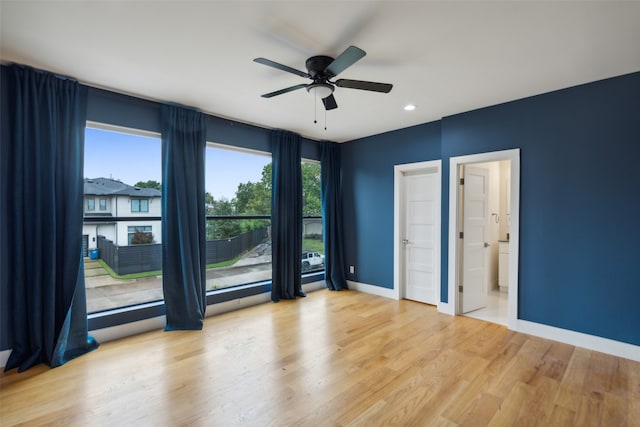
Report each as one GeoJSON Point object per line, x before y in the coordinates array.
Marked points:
{"type": "Point", "coordinates": [313, 245]}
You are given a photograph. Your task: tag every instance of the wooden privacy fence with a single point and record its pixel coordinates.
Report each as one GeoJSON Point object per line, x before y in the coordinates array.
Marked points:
{"type": "Point", "coordinates": [148, 257]}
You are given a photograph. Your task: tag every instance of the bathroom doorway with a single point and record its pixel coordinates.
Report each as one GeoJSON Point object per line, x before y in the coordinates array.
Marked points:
{"type": "Point", "coordinates": [483, 236]}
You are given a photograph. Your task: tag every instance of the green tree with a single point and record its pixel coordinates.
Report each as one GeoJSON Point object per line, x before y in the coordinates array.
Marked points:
{"type": "Point", "coordinates": [311, 203]}
{"type": "Point", "coordinates": [254, 198]}
{"type": "Point", "coordinates": [149, 184]}
{"type": "Point", "coordinates": [221, 228]}
{"type": "Point", "coordinates": [208, 203]}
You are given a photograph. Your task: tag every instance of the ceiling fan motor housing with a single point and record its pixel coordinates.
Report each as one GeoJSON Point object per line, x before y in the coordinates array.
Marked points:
{"type": "Point", "coordinates": [316, 66]}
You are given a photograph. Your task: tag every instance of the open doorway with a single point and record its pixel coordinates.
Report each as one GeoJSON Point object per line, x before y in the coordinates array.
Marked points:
{"type": "Point", "coordinates": [483, 221]}
{"type": "Point", "coordinates": [483, 235]}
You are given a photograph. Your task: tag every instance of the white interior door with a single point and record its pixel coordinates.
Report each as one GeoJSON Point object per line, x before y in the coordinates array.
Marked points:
{"type": "Point", "coordinates": [475, 211]}
{"type": "Point", "coordinates": [420, 236]}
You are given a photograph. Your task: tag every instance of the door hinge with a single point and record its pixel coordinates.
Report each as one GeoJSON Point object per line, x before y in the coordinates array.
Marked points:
{"type": "Point", "coordinates": [460, 288]}
{"type": "Point", "coordinates": [462, 235]}
{"type": "Point", "coordinates": [461, 181]}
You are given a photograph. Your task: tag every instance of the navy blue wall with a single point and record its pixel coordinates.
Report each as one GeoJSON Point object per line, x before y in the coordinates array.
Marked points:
{"type": "Point", "coordinates": [368, 196]}
{"type": "Point", "coordinates": [579, 201]}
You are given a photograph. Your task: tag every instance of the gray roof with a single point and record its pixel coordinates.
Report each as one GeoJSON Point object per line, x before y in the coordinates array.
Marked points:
{"type": "Point", "coordinates": [112, 187]}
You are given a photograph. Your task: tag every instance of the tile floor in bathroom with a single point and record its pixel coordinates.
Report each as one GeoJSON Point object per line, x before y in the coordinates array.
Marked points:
{"type": "Point", "coordinates": [496, 309]}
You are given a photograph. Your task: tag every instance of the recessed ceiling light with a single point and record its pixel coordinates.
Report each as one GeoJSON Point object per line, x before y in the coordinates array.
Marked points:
{"type": "Point", "coordinates": [409, 107]}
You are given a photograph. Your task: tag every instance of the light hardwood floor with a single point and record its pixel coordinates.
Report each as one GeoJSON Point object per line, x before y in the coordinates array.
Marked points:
{"type": "Point", "coordinates": [333, 358]}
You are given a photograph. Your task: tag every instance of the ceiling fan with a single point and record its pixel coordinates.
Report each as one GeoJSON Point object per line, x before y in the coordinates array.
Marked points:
{"type": "Point", "coordinates": [321, 69]}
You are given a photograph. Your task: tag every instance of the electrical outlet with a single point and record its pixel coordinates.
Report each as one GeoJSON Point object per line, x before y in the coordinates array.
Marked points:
{"type": "Point", "coordinates": [352, 269]}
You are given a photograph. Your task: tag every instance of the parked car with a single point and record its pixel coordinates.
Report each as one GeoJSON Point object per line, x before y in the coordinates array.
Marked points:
{"type": "Point", "coordinates": [312, 260]}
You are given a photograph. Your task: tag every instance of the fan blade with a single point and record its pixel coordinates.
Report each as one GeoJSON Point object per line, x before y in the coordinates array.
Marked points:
{"type": "Point", "coordinates": [359, 84]}
{"type": "Point", "coordinates": [270, 63]}
{"type": "Point", "coordinates": [350, 56]}
{"type": "Point", "coordinates": [281, 91]}
{"type": "Point", "coordinates": [329, 103]}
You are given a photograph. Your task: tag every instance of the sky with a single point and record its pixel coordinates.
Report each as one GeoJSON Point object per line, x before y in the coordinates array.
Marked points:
{"type": "Point", "coordinates": [134, 158]}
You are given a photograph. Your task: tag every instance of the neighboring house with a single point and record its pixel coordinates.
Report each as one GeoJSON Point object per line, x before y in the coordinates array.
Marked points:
{"type": "Point", "coordinates": [106, 199]}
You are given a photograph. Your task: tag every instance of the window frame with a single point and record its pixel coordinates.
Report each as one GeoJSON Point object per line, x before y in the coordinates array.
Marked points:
{"type": "Point", "coordinates": [139, 202]}
{"type": "Point", "coordinates": [121, 217]}
{"type": "Point", "coordinates": [258, 284]}
{"type": "Point", "coordinates": [143, 228]}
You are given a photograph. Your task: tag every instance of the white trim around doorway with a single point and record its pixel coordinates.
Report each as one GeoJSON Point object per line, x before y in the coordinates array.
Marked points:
{"type": "Point", "coordinates": [432, 166]}
{"type": "Point", "coordinates": [514, 229]}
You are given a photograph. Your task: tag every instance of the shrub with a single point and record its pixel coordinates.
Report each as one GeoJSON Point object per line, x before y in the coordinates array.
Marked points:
{"type": "Point", "coordinates": [142, 238]}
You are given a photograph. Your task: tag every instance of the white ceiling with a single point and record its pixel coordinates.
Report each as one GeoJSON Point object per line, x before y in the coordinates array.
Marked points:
{"type": "Point", "coordinates": [445, 57]}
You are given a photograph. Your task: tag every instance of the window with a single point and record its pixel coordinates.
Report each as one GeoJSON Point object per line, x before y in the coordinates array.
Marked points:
{"type": "Point", "coordinates": [127, 270]}
{"type": "Point", "coordinates": [139, 205]}
{"type": "Point", "coordinates": [312, 234]}
{"type": "Point", "coordinates": [238, 203]}
{"type": "Point", "coordinates": [238, 206]}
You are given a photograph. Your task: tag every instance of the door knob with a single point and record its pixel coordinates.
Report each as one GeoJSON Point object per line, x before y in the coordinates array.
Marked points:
{"type": "Point", "coordinates": [405, 241]}
{"type": "Point", "coordinates": [486, 245]}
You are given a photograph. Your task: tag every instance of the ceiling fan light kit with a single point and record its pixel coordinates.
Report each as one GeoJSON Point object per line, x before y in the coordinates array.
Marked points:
{"type": "Point", "coordinates": [321, 69]}
{"type": "Point", "coordinates": [321, 90]}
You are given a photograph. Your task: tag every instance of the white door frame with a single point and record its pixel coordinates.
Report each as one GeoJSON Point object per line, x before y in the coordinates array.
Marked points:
{"type": "Point", "coordinates": [398, 215]}
{"type": "Point", "coordinates": [452, 307]}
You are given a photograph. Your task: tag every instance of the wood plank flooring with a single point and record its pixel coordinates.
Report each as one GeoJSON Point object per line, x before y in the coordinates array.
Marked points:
{"type": "Point", "coordinates": [331, 359]}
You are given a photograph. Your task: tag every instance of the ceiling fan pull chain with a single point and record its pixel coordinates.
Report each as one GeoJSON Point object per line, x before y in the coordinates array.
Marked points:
{"type": "Point", "coordinates": [315, 107]}
{"type": "Point", "coordinates": [325, 119]}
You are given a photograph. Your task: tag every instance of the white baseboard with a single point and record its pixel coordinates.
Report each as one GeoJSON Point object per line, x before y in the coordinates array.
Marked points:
{"type": "Point", "coordinates": [371, 289]}
{"type": "Point", "coordinates": [443, 307]}
{"type": "Point", "coordinates": [579, 339]}
{"type": "Point", "coordinates": [446, 308]}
